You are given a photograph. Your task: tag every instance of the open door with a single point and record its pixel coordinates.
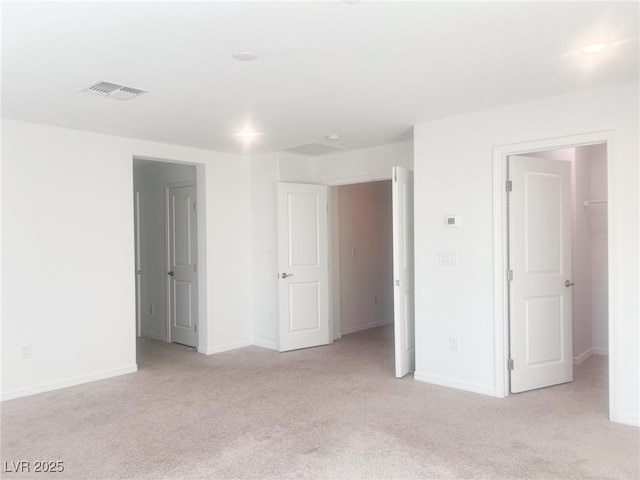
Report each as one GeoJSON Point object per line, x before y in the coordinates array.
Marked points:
{"type": "Point", "coordinates": [303, 259]}
{"type": "Point", "coordinates": [403, 298]}
{"type": "Point", "coordinates": [540, 272]}
{"type": "Point", "coordinates": [181, 255]}
{"type": "Point", "coordinates": [138, 260]}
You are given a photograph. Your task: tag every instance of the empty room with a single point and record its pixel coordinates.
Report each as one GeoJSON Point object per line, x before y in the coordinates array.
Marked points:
{"type": "Point", "coordinates": [327, 239]}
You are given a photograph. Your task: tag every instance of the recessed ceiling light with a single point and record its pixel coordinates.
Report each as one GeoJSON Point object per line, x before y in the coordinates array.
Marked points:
{"type": "Point", "coordinates": [333, 136]}
{"type": "Point", "coordinates": [247, 134]}
{"type": "Point", "coordinates": [244, 55]}
{"type": "Point", "coordinates": [595, 48]}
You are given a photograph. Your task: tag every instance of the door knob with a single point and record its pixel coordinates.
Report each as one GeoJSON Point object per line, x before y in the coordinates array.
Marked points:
{"type": "Point", "coordinates": [285, 275]}
{"type": "Point", "coordinates": [170, 273]}
{"type": "Point", "coordinates": [569, 283]}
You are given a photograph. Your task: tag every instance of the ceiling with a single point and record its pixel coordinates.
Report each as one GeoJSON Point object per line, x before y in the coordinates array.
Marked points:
{"type": "Point", "coordinates": [366, 70]}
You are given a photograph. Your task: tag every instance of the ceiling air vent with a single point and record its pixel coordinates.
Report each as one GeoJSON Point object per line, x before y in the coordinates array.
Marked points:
{"type": "Point", "coordinates": [113, 90]}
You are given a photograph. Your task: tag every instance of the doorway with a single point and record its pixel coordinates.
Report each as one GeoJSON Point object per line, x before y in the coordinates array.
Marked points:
{"type": "Point", "coordinates": [544, 344]}
{"type": "Point", "coordinates": [362, 251]}
{"type": "Point", "coordinates": [166, 251]}
{"type": "Point", "coordinates": [308, 315]}
{"type": "Point", "coordinates": [587, 282]}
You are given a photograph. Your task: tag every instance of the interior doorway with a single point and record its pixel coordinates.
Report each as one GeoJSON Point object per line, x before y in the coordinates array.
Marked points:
{"type": "Point", "coordinates": [310, 253]}
{"type": "Point", "coordinates": [166, 251]}
{"type": "Point", "coordinates": [587, 280]}
{"type": "Point", "coordinates": [362, 257]}
{"type": "Point", "coordinates": [544, 345]}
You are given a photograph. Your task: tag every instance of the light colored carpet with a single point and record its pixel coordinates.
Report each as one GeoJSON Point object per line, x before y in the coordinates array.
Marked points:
{"type": "Point", "coordinates": [327, 412]}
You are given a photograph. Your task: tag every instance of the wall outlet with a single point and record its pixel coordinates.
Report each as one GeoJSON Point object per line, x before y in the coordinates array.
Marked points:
{"type": "Point", "coordinates": [25, 352]}
{"type": "Point", "coordinates": [453, 344]}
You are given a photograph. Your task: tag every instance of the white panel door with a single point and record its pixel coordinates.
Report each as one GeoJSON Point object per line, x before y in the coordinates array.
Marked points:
{"type": "Point", "coordinates": [540, 260]}
{"type": "Point", "coordinates": [181, 255]}
{"type": "Point", "coordinates": [303, 257]}
{"type": "Point", "coordinates": [403, 298]}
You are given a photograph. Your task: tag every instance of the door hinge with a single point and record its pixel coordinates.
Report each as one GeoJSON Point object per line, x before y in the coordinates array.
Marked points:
{"type": "Point", "coordinates": [510, 275]}
{"type": "Point", "coordinates": [195, 327]}
{"type": "Point", "coordinates": [510, 364]}
{"type": "Point", "coordinates": [509, 186]}
{"type": "Point", "coordinates": [397, 282]}
{"type": "Point", "coordinates": [395, 175]}
{"type": "Point", "coordinates": [194, 206]}
{"type": "Point", "coordinates": [195, 267]}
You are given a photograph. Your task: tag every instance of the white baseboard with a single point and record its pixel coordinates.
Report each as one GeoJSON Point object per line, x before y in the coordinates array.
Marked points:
{"type": "Point", "coordinates": [224, 348]}
{"type": "Point", "coordinates": [365, 326]}
{"type": "Point", "coordinates": [154, 336]}
{"type": "Point", "coordinates": [68, 382]}
{"type": "Point", "coordinates": [454, 383]}
{"type": "Point", "coordinates": [587, 353]}
{"type": "Point", "coordinates": [266, 344]}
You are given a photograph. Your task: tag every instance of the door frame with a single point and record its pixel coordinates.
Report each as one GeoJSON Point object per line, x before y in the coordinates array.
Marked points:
{"type": "Point", "coordinates": [501, 252]}
{"type": "Point", "coordinates": [167, 257]}
{"type": "Point", "coordinates": [138, 261]}
{"type": "Point", "coordinates": [334, 266]}
{"type": "Point", "coordinates": [201, 223]}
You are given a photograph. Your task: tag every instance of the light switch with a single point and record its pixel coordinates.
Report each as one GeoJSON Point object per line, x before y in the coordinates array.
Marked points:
{"type": "Point", "coordinates": [448, 258]}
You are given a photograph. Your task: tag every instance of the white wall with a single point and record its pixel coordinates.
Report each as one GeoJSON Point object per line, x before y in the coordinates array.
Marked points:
{"type": "Point", "coordinates": [264, 176]}
{"type": "Point", "coordinates": [353, 166]}
{"type": "Point", "coordinates": [150, 180]}
{"type": "Point", "coordinates": [454, 174]}
{"type": "Point", "coordinates": [599, 238]}
{"type": "Point", "coordinates": [582, 290]}
{"type": "Point", "coordinates": [67, 245]}
{"type": "Point", "coordinates": [365, 256]}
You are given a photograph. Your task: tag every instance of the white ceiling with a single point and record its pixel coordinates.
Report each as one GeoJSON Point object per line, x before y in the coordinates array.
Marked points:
{"type": "Point", "coordinates": [366, 70]}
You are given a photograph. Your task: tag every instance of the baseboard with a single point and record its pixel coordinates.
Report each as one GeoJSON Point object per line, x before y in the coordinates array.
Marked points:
{"type": "Point", "coordinates": [225, 347]}
{"type": "Point", "coordinates": [266, 344]}
{"type": "Point", "coordinates": [68, 382]}
{"type": "Point", "coordinates": [587, 353]}
{"type": "Point", "coordinates": [365, 326]}
{"type": "Point", "coordinates": [153, 336]}
{"type": "Point", "coordinates": [454, 383]}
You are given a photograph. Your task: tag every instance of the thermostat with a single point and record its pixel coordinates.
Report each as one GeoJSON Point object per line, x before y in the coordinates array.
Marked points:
{"type": "Point", "coordinates": [452, 220]}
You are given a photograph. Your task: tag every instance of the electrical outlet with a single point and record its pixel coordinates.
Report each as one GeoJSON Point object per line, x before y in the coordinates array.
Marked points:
{"type": "Point", "coordinates": [453, 344]}
{"type": "Point", "coordinates": [25, 352]}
